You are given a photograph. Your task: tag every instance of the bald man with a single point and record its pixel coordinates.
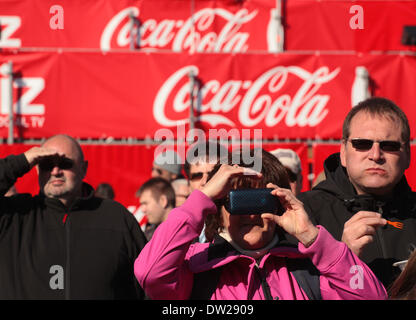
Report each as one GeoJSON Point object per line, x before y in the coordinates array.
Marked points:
{"type": "Point", "coordinates": [64, 243]}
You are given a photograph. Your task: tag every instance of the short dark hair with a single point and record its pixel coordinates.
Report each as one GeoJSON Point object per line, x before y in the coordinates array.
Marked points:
{"type": "Point", "coordinates": [273, 171]}
{"type": "Point", "coordinates": [105, 191]}
{"type": "Point", "coordinates": [209, 150]}
{"type": "Point", "coordinates": [158, 187]}
{"type": "Point", "coordinates": [382, 107]}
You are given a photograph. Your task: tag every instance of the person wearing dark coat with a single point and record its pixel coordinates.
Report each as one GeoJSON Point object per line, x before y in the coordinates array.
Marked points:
{"type": "Point", "coordinates": [365, 200]}
{"type": "Point", "coordinates": [64, 243]}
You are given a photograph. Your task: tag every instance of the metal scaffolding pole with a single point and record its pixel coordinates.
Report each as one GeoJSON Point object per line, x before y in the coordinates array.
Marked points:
{"type": "Point", "coordinates": [7, 89]}
{"type": "Point", "coordinates": [192, 100]}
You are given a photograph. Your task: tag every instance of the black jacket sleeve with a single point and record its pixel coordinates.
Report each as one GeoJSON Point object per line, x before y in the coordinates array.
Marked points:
{"type": "Point", "coordinates": [135, 241]}
{"type": "Point", "coordinates": [11, 168]}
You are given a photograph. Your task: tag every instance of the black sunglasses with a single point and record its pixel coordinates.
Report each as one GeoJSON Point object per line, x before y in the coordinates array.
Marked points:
{"type": "Point", "coordinates": [196, 176]}
{"type": "Point", "coordinates": [159, 171]}
{"type": "Point", "coordinates": [367, 144]}
{"type": "Point", "coordinates": [62, 163]}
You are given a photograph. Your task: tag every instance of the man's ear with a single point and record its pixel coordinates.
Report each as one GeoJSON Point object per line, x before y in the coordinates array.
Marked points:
{"type": "Point", "coordinates": [342, 153]}
{"type": "Point", "coordinates": [84, 168]}
{"type": "Point", "coordinates": [163, 201]}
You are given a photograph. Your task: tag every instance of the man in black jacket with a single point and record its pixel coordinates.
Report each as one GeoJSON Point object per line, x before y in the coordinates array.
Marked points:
{"type": "Point", "coordinates": [365, 188]}
{"type": "Point", "coordinates": [64, 243]}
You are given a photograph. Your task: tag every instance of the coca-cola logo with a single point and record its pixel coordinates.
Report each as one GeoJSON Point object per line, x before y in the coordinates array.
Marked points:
{"type": "Point", "coordinates": [262, 101]}
{"type": "Point", "coordinates": [194, 34]}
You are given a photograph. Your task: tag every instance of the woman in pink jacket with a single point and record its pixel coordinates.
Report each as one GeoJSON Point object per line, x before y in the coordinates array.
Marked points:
{"type": "Point", "coordinates": [249, 256]}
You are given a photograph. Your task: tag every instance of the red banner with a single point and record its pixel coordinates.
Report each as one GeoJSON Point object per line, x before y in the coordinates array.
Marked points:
{"type": "Point", "coordinates": [206, 25]}
{"type": "Point", "coordinates": [121, 95]}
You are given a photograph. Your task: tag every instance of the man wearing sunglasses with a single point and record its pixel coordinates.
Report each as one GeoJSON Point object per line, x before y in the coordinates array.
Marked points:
{"type": "Point", "coordinates": [200, 160]}
{"type": "Point", "coordinates": [167, 165]}
{"type": "Point", "coordinates": [64, 243]}
{"type": "Point", "coordinates": [365, 188]}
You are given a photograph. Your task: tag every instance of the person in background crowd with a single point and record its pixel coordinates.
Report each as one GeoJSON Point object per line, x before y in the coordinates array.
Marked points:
{"type": "Point", "coordinates": [167, 165]}
{"type": "Point", "coordinates": [64, 243]}
{"type": "Point", "coordinates": [182, 190]}
{"type": "Point", "coordinates": [105, 191]}
{"type": "Point", "coordinates": [365, 199]}
{"type": "Point", "coordinates": [248, 258]}
{"type": "Point", "coordinates": [157, 199]}
{"type": "Point", "coordinates": [201, 157]}
{"type": "Point", "coordinates": [291, 161]}
{"type": "Point", "coordinates": [404, 287]}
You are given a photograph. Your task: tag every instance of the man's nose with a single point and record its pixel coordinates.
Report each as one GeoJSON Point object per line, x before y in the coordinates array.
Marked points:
{"type": "Point", "coordinates": [55, 170]}
{"type": "Point", "coordinates": [375, 152]}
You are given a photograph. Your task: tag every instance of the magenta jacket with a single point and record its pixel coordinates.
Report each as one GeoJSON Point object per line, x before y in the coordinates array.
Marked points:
{"type": "Point", "coordinates": [166, 266]}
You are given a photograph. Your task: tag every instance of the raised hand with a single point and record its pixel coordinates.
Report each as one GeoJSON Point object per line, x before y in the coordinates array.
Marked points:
{"type": "Point", "coordinates": [35, 154]}
{"type": "Point", "coordinates": [360, 230]}
{"type": "Point", "coordinates": [294, 220]}
{"type": "Point", "coordinates": [220, 184]}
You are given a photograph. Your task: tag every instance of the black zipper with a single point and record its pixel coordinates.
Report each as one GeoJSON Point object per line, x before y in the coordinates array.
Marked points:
{"type": "Point", "coordinates": [379, 233]}
{"type": "Point", "coordinates": [264, 285]}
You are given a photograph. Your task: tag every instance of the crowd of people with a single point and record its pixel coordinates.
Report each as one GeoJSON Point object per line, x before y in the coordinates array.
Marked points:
{"type": "Point", "coordinates": [351, 237]}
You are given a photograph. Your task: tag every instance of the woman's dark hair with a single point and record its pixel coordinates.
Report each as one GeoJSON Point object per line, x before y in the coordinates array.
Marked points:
{"type": "Point", "coordinates": [404, 287]}
{"type": "Point", "coordinates": [271, 168]}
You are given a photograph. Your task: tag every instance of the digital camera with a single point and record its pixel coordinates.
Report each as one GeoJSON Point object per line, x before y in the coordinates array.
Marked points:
{"type": "Point", "coordinates": [253, 201]}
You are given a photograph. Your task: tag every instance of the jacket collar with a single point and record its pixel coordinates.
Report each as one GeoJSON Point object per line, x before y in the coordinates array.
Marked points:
{"type": "Point", "coordinates": [338, 184]}
{"type": "Point", "coordinates": [220, 252]}
{"type": "Point", "coordinates": [80, 202]}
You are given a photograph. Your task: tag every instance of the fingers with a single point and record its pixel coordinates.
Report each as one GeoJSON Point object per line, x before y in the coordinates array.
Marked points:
{"type": "Point", "coordinates": [286, 196]}
{"type": "Point", "coordinates": [294, 220]}
{"type": "Point", "coordinates": [364, 215]}
{"type": "Point", "coordinates": [34, 154]}
{"type": "Point", "coordinates": [361, 221]}
{"type": "Point", "coordinates": [359, 244]}
{"type": "Point", "coordinates": [219, 185]}
{"type": "Point", "coordinates": [236, 170]}
{"type": "Point", "coordinates": [360, 230]}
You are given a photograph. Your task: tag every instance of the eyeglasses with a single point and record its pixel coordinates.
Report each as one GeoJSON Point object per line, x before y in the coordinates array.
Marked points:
{"type": "Point", "coordinates": [367, 144]}
{"type": "Point", "coordinates": [196, 176]}
{"type": "Point", "coordinates": [159, 171]}
{"type": "Point", "coordinates": [62, 163]}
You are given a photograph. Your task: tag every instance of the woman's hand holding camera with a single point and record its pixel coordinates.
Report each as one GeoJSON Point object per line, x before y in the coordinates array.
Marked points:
{"type": "Point", "coordinates": [294, 220]}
